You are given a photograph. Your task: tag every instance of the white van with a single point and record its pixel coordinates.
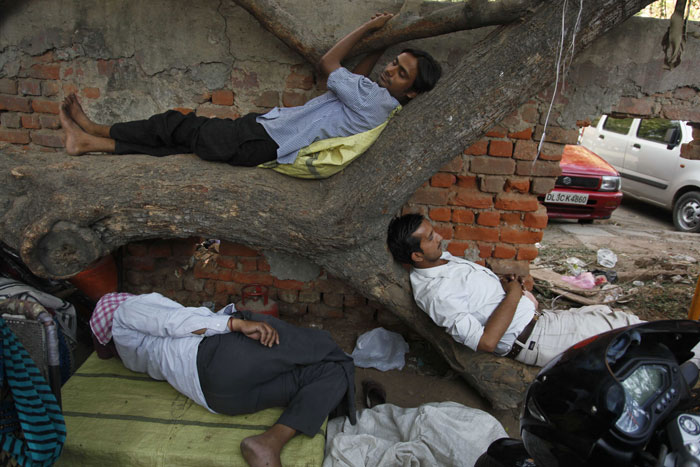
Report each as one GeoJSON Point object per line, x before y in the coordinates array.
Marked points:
{"type": "Point", "coordinates": [646, 152]}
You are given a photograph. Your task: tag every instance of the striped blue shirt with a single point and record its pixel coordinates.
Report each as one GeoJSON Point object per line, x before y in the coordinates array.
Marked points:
{"type": "Point", "coordinates": [352, 105]}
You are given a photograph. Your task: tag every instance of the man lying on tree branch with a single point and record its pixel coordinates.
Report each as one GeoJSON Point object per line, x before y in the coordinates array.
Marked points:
{"type": "Point", "coordinates": [354, 104]}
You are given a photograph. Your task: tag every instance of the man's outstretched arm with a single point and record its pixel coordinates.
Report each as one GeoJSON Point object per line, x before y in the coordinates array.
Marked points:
{"type": "Point", "coordinates": [500, 319]}
{"type": "Point", "coordinates": [331, 60]}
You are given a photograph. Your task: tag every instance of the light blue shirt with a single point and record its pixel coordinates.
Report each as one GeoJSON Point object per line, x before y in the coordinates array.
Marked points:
{"type": "Point", "coordinates": [153, 335]}
{"type": "Point", "coordinates": [352, 105]}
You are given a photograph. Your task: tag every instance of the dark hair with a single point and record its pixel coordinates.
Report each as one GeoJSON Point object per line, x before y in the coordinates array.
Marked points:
{"type": "Point", "coordinates": [429, 70]}
{"type": "Point", "coordinates": [400, 239]}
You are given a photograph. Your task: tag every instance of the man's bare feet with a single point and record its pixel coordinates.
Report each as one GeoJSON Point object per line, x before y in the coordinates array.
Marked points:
{"type": "Point", "coordinates": [264, 449]}
{"type": "Point", "coordinates": [77, 141]}
{"type": "Point", "coordinates": [77, 114]}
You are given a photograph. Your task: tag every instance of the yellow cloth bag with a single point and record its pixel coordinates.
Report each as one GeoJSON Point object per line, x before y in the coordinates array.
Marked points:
{"type": "Point", "coordinates": [326, 157]}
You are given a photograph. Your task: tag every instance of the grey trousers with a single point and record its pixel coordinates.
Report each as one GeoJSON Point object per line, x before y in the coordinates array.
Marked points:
{"type": "Point", "coordinates": [307, 373]}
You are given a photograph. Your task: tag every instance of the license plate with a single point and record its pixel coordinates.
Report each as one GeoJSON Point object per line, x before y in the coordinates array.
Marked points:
{"type": "Point", "coordinates": [563, 197]}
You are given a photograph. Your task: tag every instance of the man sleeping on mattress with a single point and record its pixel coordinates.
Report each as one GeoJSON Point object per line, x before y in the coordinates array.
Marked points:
{"type": "Point", "coordinates": [232, 363]}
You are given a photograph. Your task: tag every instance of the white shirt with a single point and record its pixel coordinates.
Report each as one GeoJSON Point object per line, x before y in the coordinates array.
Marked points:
{"type": "Point", "coordinates": [153, 335]}
{"type": "Point", "coordinates": [460, 296]}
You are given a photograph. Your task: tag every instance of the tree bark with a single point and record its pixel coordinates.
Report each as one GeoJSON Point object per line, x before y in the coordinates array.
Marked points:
{"type": "Point", "coordinates": [63, 212]}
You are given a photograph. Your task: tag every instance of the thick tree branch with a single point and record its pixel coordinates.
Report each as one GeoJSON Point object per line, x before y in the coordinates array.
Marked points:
{"type": "Point", "coordinates": [432, 19]}
{"type": "Point", "coordinates": [63, 212]}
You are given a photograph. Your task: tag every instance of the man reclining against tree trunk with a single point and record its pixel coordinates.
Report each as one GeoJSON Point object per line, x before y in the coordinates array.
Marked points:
{"type": "Point", "coordinates": [485, 313]}
{"type": "Point", "coordinates": [354, 104]}
{"type": "Point", "coordinates": [232, 364]}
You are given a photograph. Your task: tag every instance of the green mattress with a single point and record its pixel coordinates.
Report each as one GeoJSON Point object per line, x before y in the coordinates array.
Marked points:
{"type": "Point", "coordinates": [115, 417]}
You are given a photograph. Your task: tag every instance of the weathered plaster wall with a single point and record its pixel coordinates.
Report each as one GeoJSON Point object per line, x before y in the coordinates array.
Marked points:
{"type": "Point", "coordinates": [129, 59]}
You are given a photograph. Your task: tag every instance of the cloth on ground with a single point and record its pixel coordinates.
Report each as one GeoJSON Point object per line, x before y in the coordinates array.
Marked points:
{"type": "Point", "coordinates": [445, 433]}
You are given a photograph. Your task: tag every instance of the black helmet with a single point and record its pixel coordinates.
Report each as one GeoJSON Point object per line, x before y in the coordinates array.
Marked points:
{"type": "Point", "coordinates": [600, 401]}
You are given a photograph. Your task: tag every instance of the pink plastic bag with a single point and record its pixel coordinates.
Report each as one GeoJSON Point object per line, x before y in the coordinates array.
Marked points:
{"type": "Point", "coordinates": [585, 280]}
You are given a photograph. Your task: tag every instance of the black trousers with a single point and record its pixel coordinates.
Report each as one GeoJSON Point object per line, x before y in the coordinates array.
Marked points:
{"type": "Point", "coordinates": [307, 373]}
{"type": "Point", "coordinates": [242, 141]}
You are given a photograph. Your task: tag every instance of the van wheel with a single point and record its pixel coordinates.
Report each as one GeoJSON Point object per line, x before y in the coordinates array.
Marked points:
{"type": "Point", "coordinates": [686, 212]}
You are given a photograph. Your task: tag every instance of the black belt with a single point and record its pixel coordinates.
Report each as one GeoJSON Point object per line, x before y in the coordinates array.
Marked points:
{"type": "Point", "coordinates": [522, 338]}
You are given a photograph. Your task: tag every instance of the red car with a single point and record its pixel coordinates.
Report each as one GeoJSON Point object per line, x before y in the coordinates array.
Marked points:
{"type": "Point", "coordinates": [588, 187]}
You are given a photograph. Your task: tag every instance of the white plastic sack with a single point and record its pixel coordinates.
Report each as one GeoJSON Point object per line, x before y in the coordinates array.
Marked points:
{"type": "Point", "coordinates": [380, 349]}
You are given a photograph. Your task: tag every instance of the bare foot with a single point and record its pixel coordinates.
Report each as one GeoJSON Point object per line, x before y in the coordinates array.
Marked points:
{"type": "Point", "coordinates": [74, 134]}
{"type": "Point", "coordinates": [76, 112]}
{"type": "Point", "coordinates": [258, 453]}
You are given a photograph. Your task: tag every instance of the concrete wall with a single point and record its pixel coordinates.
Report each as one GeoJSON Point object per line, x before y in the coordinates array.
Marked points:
{"type": "Point", "coordinates": [129, 59]}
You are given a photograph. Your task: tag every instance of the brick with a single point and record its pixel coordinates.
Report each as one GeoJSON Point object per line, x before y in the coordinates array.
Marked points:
{"type": "Point", "coordinates": [685, 94]}
{"type": "Point", "coordinates": [496, 132]}
{"type": "Point", "coordinates": [556, 134]}
{"type": "Point", "coordinates": [160, 249]}
{"type": "Point", "coordinates": [333, 299]}
{"type": "Point", "coordinates": [106, 67]}
{"type": "Point", "coordinates": [634, 107]}
{"type": "Point", "coordinates": [45, 106]}
{"type": "Point", "coordinates": [539, 168]}
{"type": "Point", "coordinates": [45, 71]}
{"type": "Point", "coordinates": [14, 136]}
{"type": "Point", "coordinates": [50, 122]}
{"type": "Point", "coordinates": [537, 220]}
{"type": "Point", "coordinates": [503, 251]}
{"type": "Point", "coordinates": [445, 230]}
{"type": "Point", "coordinates": [31, 121]}
{"type": "Point", "coordinates": [222, 97]}
{"type": "Point", "coordinates": [254, 278]}
{"type": "Point", "coordinates": [29, 87]}
{"type": "Point", "coordinates": [263, 265]}
{"type": "Point", "coordinates": [529, 113]}
{"type": "Point", "coordinates": [527, 252]}
{"type": "Point", "coordinates": [480, 148]}
{"type": "Point", "coordinates": [516, 202]}
{"type": "Point", "coordinates": [485, 249]}
{"type": "Point", "coordinates": [288, 296]}
{"type": "Point", "coordinates": [551, 152]}
{"type": "Point", "coordinates": [50, 88]}
{"type": "Point", "coordinates": [489, 218]}
{"type": "Point", "coordinates": [236, 249]}
{"type": "Point", "coordinates": [242, 79]}
{"type": "Point", "coordinates": [189, 282]}
{"type": "Point", "coordinates": [217, 111]}
{"type": "Point", "coordinates": [491, 184]}
{"type": "Point", "coordinates": [463, 216]}
{"type": "Point", "coordinates": [455, 165]}
{"type": "Point", "coordinates": [521, 185]}
{"type": "Point", "coordinates": [466, 181]}
{"type": "Point", "coordinates": [501, 148]}
{"type": "Point", "coordinates": [293, 99]}
{"type": "Point", "coordinates": [509, 235]}
{"type": "Point", "coordinates": [227, 288]}
{"type": "Point", "coordinates": [466, 232]}
{"type": "Point", "coordinates": [492, 165]}
{"type": "Point", "coordinates": [248, 264]}
{"type": "Point", "coordinates": [226, 262]}
{"type": "Point", "coordinates": [309, 296]}
{"type": "Point", "coordinates": [15, 103]}
{"type": "Point", "coordinates": [508, 266]}
{"type": "Point", "coordinates": [293, 309]}
{"type": "Point", "coordinates": [440, 214]}
{"type": "Point", "coordinates": [438, 196]}
{"type": "Point", "coordinates": [267, 99]}
{"type": "Point", "coordinates": [91, 93]}
{"type": "Point", "coordinates": [332, 285]}
{"type": "Point", "coordinates": [414, 209]}
{"type": "Point", "coordinates": [321, 310]}
{"type": "Point", "coordinates": [10, 120]}
{"type": "Point", "coordinates": [47, 138]}
{"type": "Point", "coordinates": [525, 134]}
{"type": "Point", "coordinates": [442, 180]}
{"type": "Point", "coordinates": [299, 80]}
{"type": "Point", "coordinates": [210, 271]}
{"type": "Point", "coordinates": [139, 263]}
{"type": "Point", "coordinates": [8, 86]}
{"type": "Point", "coordinates": [690, 151]}
{"type": "Point", "coordinates": [183, 247]}
{"type": "Point", "coordinates": [288, 284]}
{"type": "Point", "coordinates": [511, 218]}
{"type": "Point", "coordinates": [541, 185]}
{"type": "Point", "coordinates": [458, 248]}
{"type": "Point", "coordinates": [354, 300]}
{"type": "Point", "coordinates": [525, 150]}
{"type": "Point", "coordinates": [471, 198]}
{"type": "Point", "coordinates": [69, 88]}
{"type": "Point", "coordinates": [676, 112]}
{"type": "Point", "coordinates": [183, 110]}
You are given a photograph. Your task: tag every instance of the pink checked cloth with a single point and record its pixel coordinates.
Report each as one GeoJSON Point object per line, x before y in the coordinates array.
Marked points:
{"type": "Point", "coordinates": [101, 319]}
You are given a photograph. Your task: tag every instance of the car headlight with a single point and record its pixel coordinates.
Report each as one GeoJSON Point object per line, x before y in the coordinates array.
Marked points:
{"type": "Point", "coordinates": [610, 183]}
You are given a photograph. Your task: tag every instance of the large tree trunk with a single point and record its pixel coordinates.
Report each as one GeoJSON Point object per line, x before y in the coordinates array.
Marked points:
{"type": "Point", "coordinates": [63, 212]}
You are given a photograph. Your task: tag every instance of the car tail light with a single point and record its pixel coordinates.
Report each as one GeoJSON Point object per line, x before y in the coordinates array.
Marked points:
{"type": "Point", "coordinates": [610, 183]}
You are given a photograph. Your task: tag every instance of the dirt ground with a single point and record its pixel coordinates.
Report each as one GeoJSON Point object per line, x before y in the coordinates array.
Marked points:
{"type": "Point", "coordinates": [657, 268]}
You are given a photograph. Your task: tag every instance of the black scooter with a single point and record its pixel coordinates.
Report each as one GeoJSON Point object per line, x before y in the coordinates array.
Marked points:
{"type": "Point", "coordinates": [621, 398]}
